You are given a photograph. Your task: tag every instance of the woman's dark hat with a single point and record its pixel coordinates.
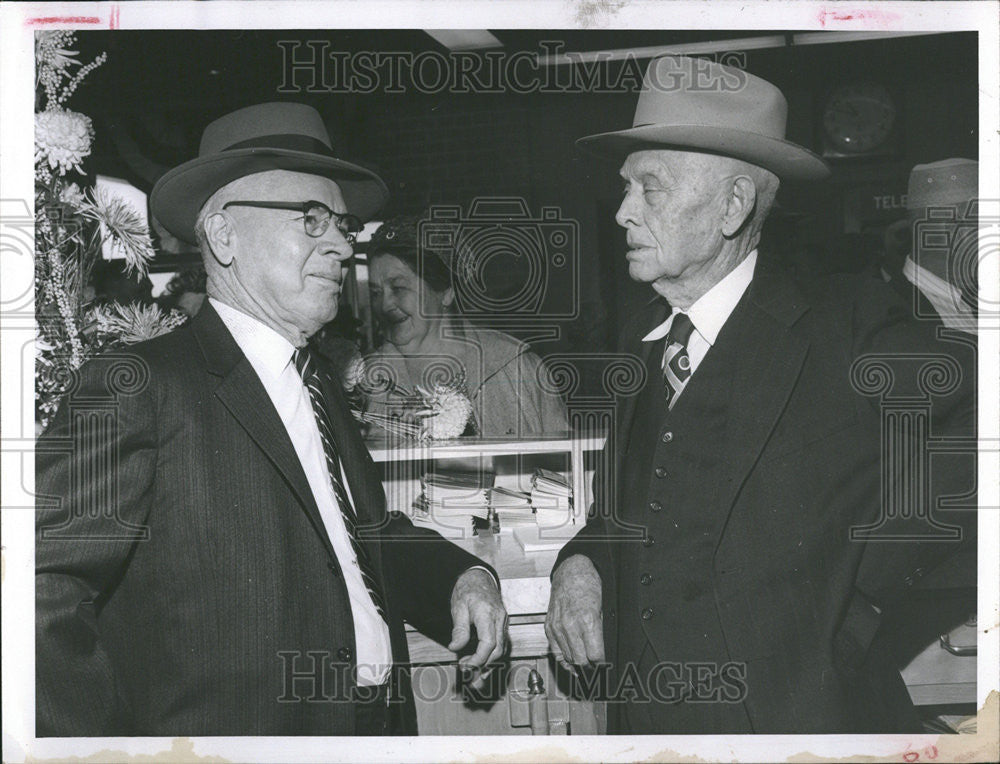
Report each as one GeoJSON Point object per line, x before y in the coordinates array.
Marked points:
{"type": "Point", "coordinates": [397, 234]}
{"type": "Point", "coordinates": [268, 136]}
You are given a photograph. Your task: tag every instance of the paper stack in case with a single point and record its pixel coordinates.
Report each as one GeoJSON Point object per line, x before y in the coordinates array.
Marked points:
{"type": "Point", "coordinates": [451, 526]}
{"type": "Point", "coordinates": [552, 498]}
{"type": "Point", "coordinates": [456, 493]}
{"type": "Point", "coordinates": [511, 508]}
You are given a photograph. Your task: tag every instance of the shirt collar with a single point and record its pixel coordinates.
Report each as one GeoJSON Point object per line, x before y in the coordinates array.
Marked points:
{"type": "Point", "coordinates": [932, 284]}
{"type": "Point", "coordinates": [267, 351]}
{"type": "Point", "coordinates": [711, 311]}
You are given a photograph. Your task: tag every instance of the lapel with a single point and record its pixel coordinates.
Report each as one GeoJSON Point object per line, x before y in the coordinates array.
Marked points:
{"type": "Point", "coordinates": [353, 452]}
{"type": "Point", "coordinates": [365, 485]}
{"type": "Point", "coordinates": [241, 392]}
{"type": "Point", "coordinates": [768, 353]}
{"type": "Point", "coordinates": [652, 314]}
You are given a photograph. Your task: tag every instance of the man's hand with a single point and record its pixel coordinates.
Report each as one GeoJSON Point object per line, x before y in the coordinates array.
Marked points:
{"type": "Point", "coordinates": [475, 601]}
{"type": "Point", "coordinates": [574, 622]}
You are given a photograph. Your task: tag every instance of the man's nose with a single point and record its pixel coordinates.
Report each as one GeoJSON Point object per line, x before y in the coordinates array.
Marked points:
{"type": "Point", "coordinates": [626, 212]}
{"type": "Point", "coordinates": [337, 245]}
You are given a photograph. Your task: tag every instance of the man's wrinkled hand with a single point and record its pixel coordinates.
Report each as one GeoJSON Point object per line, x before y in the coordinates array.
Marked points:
{"type": "Point", "coordinates": [574, 621]}
{"type": "Point", "coordinates": [476, 602]}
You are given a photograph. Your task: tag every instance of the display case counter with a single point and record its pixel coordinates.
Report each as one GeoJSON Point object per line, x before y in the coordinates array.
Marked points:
{"type": "Point", "coordinates": [524, 582]}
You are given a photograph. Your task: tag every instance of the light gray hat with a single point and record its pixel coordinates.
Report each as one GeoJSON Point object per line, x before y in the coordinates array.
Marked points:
{"type": "Point", "coordinates": [695, 104]}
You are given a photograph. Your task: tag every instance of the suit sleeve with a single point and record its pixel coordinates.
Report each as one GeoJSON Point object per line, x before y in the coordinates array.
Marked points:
{"type": "Point", "coordinates": [592, 540]}
{"type": "Point", "coordinates": [423, 567]}
{"type": "Point", "coordinates": [95, 467]}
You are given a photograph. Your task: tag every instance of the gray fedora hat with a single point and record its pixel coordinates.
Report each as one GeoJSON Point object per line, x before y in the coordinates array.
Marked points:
{"type": "Point", "coordinates": [698, 105]}
{"type": "Point", "coordinates": [267, 136]}
{"type": "Point", "coordinates": [947, 183]}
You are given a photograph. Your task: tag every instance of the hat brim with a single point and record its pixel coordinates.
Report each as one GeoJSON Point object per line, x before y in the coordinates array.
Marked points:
{"type": "Point", "coordinates": [179, 194]}
{"type": "Point", "coordinates": [785, 159]}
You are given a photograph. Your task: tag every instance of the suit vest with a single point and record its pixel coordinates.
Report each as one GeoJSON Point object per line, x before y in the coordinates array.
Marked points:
{"type": "Point", "coordinates": [667, 611]}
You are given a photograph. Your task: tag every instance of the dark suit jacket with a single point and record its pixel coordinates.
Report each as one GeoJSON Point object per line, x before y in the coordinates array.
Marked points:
{"type": "Point", "coordinates": [797, 598]}
{"type": "Point", "coordinates": [185, 583]}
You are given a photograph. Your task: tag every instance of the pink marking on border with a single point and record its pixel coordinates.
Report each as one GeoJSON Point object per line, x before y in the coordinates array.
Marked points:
{"type": "Point", "coordinates": [870, 17]}
{"type": "Point", "coordinates": [47, 20]}
{"type": "Point", "coordinates": [115, 11]}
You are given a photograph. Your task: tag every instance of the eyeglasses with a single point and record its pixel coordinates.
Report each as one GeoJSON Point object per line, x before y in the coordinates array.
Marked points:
{"type": "Point", "coordinates": [316, 217]}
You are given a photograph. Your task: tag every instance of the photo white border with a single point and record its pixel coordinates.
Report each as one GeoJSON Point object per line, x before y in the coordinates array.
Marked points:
{"type": "Point", "coordinates": [17, 365]}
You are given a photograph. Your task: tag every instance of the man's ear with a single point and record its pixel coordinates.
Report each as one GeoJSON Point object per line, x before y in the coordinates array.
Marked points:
{"type": "Point", "coordinates": [221, 237]}
{"type": "Point", "coordinates": [448, 297]}
{"type": "Point", "coordinates": [742, 199]}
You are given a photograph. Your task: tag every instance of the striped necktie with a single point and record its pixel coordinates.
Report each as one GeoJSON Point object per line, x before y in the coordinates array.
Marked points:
{"type": "Point", "coordinates": [676, 361]}
{"type": "Point", "coordinates": [305, 364]}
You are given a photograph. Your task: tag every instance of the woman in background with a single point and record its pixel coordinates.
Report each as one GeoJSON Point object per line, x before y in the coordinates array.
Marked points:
{"type": "Point", "coordinates": [427, 343]}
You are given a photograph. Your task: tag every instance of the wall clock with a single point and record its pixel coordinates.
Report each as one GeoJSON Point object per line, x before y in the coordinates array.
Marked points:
{"type": "Point", "coordinates": [859, 119]}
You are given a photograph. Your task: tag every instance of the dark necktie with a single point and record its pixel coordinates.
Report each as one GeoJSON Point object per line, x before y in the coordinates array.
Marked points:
{"type": "Point", "coordinates": [676, 361]}
{"type": "Point", "coordinates": [305, 364]}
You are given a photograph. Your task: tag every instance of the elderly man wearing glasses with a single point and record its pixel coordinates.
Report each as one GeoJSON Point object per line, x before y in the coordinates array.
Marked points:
{"type": "Point", "coordinates": [214, 553]}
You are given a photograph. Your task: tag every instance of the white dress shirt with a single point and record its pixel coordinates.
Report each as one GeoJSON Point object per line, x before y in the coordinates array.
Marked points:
{"type": "Point", "coordinates": [946, 299]}
{"type": "Point", "coordinates": [270, 355]}
{"type": "Point", "coordinates": [711, 311]}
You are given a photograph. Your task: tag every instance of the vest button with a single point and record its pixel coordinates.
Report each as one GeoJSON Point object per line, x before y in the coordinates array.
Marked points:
{"type": "Point", "coordinates": [344, 654]}
{"type": "Point", "coordinates": [647, 541]}
{"type": "Point", "coordinates": [647, 614]}
{"type": "Point", "coordinates": [332, 567]}
{"type": "Point", "coordinates": [646, 579]}
{"type": "Point", "coordinates": [660, 472]}
{"type": "Point", "coordinates": [667, 436]}
{"type": "Point", "coordinates": [655, 506]}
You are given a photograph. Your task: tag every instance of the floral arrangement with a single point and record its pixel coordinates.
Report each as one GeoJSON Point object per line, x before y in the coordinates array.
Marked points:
{"type": "Point", "coordinates": [446, 412]}
{"type": "Point", "coordinates": [436, 412]}
{"type": "Point", "coordinates": [72, 223]}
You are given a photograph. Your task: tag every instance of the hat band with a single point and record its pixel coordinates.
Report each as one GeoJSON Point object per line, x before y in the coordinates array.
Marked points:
{"type": "Point", "coordinates": [285, 141]}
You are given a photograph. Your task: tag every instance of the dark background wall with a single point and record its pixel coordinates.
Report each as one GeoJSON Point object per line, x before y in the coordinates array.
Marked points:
{"type": "Point", "coordinates": [159, 89]}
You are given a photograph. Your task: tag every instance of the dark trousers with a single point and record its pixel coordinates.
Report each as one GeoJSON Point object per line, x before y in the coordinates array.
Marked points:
{"type": "Point", "coordinates": [667, 708]}
{"type": "Point", "coordinates": [373, 714]}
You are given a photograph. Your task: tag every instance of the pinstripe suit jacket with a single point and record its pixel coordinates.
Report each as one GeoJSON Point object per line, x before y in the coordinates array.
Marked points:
{"type": "Point", "coordinates": [185, 583]}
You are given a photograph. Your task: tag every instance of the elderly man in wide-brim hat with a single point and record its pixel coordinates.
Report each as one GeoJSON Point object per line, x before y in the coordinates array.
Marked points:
{"type": "Point", "coordinates": [216, 557]}
{"type": "Point", "coordinates": [734, 565]}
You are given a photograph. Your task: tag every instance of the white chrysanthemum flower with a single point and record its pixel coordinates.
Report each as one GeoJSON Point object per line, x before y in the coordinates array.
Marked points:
{"type": "Point", "coordinates": [354, 372]}
{"type": "Point", "coordinates": [72, 195]}
{"type": "Point", "coordinates": [449, 412]}
{"type": "Point", "coordinates": [122, 227]}
{"type": "Point", "coordinates": [63, 139]}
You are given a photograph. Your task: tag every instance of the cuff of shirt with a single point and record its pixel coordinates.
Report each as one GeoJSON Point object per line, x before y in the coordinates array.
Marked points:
{"type": "Point", "coordinates": [493, 575]}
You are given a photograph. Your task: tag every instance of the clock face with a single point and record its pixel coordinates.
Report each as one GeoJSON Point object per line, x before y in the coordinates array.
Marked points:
{"type": "Point", "coordinates": [859, 117]}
